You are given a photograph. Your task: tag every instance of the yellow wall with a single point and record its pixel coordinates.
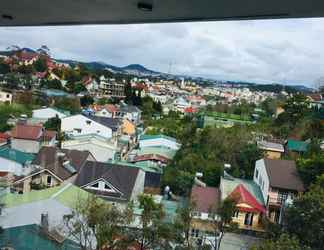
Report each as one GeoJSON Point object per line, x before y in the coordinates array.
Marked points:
{"type": "Point", "coordinates": [256, 226]}
{"type": "Point", "coordinates": [273, 155]}
{"type": "Point", "coordinates": [128, 127]}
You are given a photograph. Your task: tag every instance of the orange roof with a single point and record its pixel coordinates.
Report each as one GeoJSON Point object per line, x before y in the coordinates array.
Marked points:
{"type": "Point", "coordinates": [28, 132]}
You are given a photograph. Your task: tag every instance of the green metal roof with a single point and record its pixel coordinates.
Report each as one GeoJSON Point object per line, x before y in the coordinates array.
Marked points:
{"type": "Point", "coordinates": [298, 146]}
{"type": "Point", "coordinates": [146, 166]}
{"type": "Point", "coordinates": [159, 150]}
{"type": "Point", "coordinates": [229, 184]}
{"type": "Point", "coordinates": [30, 237]}
{"type": "Point", "coordinates": [67, 195]}
{"type": "Point", "coordinates": [150, 137]}
{"type": "Point", "coordinates": [15, 155]}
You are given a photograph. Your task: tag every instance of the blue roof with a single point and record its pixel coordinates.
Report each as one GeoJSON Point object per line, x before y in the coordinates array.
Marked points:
{"type": "Point", "coordinates": [15, 155]}
{"type": "Point", "coordinates": [31, 237]}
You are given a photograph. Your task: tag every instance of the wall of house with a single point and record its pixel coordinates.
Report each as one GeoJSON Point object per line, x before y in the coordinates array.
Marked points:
{"type": "Point", "coordinates": [255, 225]}
{"type": "Point", "coordinates": [5, 97]}
{"type": "Point", "coordinates": [27, 146]}
{"type": "Point", "coordinates": [273, 155]}
{"type": "Point", "coordinates": [159, 142]}
{"type": "Point", "coordinates": [100, 152]}
{"type": "Point", "coordinates": [47, 113]}
{"type": "Point", "coordinates": [139, 185]}
{"type": "Point", "coordinates": [81, 125]}
{"type": "Point", "coordinates": [128, 127]}
{"type": "Point", "coordinates": [10, 166]}
{"type": "Point", "coordinates": [262, 180]}
{"type": "Point", "coordinates": [104, 113]}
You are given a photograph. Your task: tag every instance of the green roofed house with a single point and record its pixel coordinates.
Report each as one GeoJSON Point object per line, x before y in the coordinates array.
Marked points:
{"type": "Point", "coordinates": [32, 237]}
{"type": "Point", "coordinates": [158, 141]}
{"type": "Point", "coordinates": [297, 146]}
{"type": "Point", "coordinates": [12, 161]}
{"type": "Point", "coordinates": [55, 202]}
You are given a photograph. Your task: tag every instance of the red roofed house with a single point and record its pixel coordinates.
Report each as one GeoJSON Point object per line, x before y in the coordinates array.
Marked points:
{"type": "Point", "coordinates": [30, 138]}
{"type": "Point", "coordinates": [108, 110]}
{"type": "Point", "coordinates": [190, 110]}
{"type": "Point", "coordinates": [204, 199]}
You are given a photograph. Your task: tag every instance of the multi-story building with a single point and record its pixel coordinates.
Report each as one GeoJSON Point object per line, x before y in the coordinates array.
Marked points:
{"type": "Point", "coordinates": [110, 87]}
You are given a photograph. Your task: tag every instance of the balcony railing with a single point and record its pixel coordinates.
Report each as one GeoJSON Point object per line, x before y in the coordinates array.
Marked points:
{"type": "Point", "coordinates": [275, 201]}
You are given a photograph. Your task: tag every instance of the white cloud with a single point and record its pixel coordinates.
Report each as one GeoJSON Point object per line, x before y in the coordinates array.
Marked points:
{"type": "Point", "coordinates": [266, 51]}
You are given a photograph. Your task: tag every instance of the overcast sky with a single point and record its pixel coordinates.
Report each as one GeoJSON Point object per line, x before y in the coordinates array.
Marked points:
{"type": "Point", "coordinates": [287, 51]}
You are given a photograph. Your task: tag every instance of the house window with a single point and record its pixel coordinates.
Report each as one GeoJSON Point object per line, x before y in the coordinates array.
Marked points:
{"type": "Point", "coordinates": [49, 180]}
{"type": "Point", "coordinates": [195, 232]}
{"type": "Point", "coordinates": [236, 214]}
{"type": "Point", "coordinates": [96, 185]}
{"type": "Point", "coordinates": [78, 130]}
{"type": "Point", "coordinates": [88, 122]}
{"type": "Point", "coordinates": [256, 174]}
{"type": "Point", "coordinates": [282, 197]}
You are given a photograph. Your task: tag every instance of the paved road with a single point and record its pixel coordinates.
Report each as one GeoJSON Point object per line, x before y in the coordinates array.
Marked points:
{"type": "Point", "coordinates": [233, 241]}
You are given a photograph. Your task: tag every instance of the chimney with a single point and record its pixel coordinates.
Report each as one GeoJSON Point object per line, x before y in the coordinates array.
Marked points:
{"type": "Point", "coordinates": [44, 222]}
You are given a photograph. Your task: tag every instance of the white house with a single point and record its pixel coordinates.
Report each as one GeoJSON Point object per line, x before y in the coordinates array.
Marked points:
{"type": "Point", "coordinates": [44, 114]}
{"type": "Point", "coordinates": [158, 141]}
{"type": "Point", "coordinates": [76, 125]}
{"type": "Point", "coordinates": [5, 97]}
{"type": "Point", "coordinates": [101, 148]}
{"type": "Point", "coordinates": [181, 103]}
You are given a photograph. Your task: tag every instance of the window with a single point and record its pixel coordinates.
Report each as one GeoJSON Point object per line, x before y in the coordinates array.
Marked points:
{"type": "Point", "coordinates": [256, 174]}
{"type": "Point", "coordinates": [96, 185]}
{"type": "Point", "coordinates": [49, 180]}
{"type": "Point", "coordinates": [282, 197]}
{"type": "Point", "coordinates": [88, 122]}
{"type": "Point", "coordinates": [78, 130]}
{"type": "Point", "coordinates": [236, 214]}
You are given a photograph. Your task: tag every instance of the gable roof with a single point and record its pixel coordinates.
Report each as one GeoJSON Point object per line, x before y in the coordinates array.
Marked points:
{"type": "Point", "coordinates": [53, 159]}
{"type": "Point", "coordinates": [228, 184]}
{"type": "Point", "coordinates": [15, 155]}
{"type": "Point", "coordinates": [241, 195]}
{"type": "Point", "coordinates": [113, 123]}
{"type": "Point", "coordinates": [283, 174]}
{"type": "Point", "coordinates": [205, 198]}
{"type": "Point", "coordinates": [27, 131]}
{"type": "Point", "coordinates": [120, 177]}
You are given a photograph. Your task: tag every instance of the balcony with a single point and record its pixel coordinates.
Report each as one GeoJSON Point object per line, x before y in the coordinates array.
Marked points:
{"type": "Point", "coordinates": [275, 202]}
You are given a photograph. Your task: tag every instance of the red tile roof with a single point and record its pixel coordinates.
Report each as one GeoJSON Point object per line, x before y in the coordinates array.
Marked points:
{"type": "Point", "coordinates": [154, 157]}
{"type": "Point", "coordinates": [28, 132]}
{"type": "Point", "coordinates": [241, 195]}
{"type": "Point", "coordinates": [205, 198]}
{"type": "Point", "coordinates": [190, 110]}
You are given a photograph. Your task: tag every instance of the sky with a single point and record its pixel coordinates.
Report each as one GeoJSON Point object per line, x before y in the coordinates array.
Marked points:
{"type": "Point", "coordinates": [289, 51]}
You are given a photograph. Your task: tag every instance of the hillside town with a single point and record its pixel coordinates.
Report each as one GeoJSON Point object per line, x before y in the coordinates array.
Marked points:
{"type": "Point", "coordinates": [94, 159]}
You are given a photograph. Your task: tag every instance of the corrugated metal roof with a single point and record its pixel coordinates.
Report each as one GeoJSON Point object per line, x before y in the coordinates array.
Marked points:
{"type": "Point", "coordinates": [15, 155]}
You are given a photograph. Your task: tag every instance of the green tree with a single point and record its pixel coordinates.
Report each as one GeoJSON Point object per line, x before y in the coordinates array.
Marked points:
{"type": "Point", "coordinates": [53, 124]}
{"type": "Point", "coordinates": [305, 218]}
{"type": "Point", "coordinates": [310, 168]}
{"type": "Point", "coordinates": [54, 84]}
{"type": "Point", "coordinates": [285, 242]}
{"type": "Point", "coordinates": [40, 64]}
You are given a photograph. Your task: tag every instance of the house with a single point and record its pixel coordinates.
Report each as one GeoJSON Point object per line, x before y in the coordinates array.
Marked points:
{"type": "Point", "coordinates": [30, 138]}
{"type": "Point", "coordinates": [100, 147]}
{"type": "Point", "coordinates": [82, 125]}
{"type": "Point", "coordinates": [205, 199]}
{"type": "Point", "coordinates": [112, 88]}
{"type": "Point", "coordinates": [297, 146]}
{"type": "Point", "coordinates": [44, 114]}
{"type": "Point", "coordinates": [37, 238]}
{"type": "Point", "coordinates": [181, 103]}
{"type": "Point", "coordinates": [108, 110]}
{"type": "Point", "coordinates": [115, 124]}
{"type": "Point", "coordinates": [249, 201]}
{"type": "Point", "coordinates": [111, 182]}
{"type": "Point", "coordinates": [158, 141]}
{"type": "Point", "coordinates": [13, 162]}
{"type": "Point", "coordinates": [5, 97]}
{"type": "Point", "coordinates": [130, 112]}
{"type": "Point", "coordinates": [278, 180]}
{"type": "Point", "coordinates": [52, 166]}
{"type": "Point", "coordinates": [272, 150]}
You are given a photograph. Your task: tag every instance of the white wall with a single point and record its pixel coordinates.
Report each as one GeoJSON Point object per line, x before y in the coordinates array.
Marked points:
{"type": "Point", "coordinates": [70, 125]}
{"type": "Point", "coordinates": [5, 97]}
{"type": "Point", "coordinates": [27, 146]}
{"type": "Point", "coordinates": [100, 152]}
{"type": "Point", "coordinates": [47, 113]}
{"type": "Point", "coordinates": [10, 166]}
{"type": "Point", "coordinates": [159, 142]}
{"type": "Point", "coordinates": [104, 113]}
{"type": "Point", "coordinates": [263, 180]}
{"type": "Point", "coordinates": [139, 185]}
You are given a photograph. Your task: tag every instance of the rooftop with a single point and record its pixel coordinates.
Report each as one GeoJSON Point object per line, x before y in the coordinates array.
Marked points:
{"type": "Point", "coordinates": [15, 155]}
{"type": "Point", "coordinates": [283, 174]}
{"type": "Point", "coordinates": [205, 198]}
{"type": "Point", "coordinates": [151, 137]}
{"type": "Point", "coordinates": [298, 146]}
{"type": "Point", "coordinates": [271, 146]}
